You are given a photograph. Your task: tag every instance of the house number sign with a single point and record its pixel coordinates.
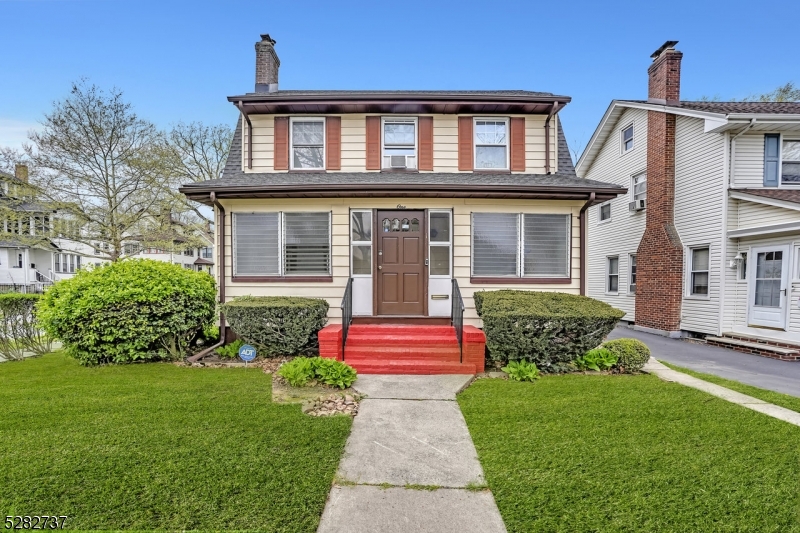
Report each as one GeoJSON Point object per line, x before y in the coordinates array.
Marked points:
{"type": "Point", "coordinates": [247, 353]}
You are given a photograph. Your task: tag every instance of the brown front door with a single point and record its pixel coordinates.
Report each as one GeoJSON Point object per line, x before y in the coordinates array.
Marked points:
{"type": "Point", "coordinates": [401, 262]}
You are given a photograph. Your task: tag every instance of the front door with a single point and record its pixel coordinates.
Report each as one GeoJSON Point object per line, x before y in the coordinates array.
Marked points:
{"type": "Point", "coordinates": [401, 262]}
{"type": "Point", "coordinates": [768, 284]}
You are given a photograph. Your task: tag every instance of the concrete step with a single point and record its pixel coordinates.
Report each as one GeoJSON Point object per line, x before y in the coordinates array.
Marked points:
{"type": "Point", "coordinates": [780, 350]}
{"type": "Point", "coordinates": [412, 367]}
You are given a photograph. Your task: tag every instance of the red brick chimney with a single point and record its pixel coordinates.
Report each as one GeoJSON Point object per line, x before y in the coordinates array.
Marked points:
{"type": "Point", "coordinates": [267, 65]}
{"type": "Point", "coordinates": [659, 261]}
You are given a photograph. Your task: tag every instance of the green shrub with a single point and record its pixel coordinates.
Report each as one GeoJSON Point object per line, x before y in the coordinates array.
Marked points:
{"type": "Point", "coordinates": [211, 332]}
{"type": "Point", "coordinates": [20, 332]}
{"type": "Point", "coordinates": [550, 329]}
{"type": "Point", "coordinates": [131, 310]}
{"type": "Point", "coordinates": [278, 326]}
{"type": "Point", "coordinates": [521, 371]}
{"type": "Point", "coordinates": [631, 354]}
{"type": "Point", "coordinates": [597, 359]}
{"type": "Point", "coordinates": [230, 351]}
{"type": "Point", "coordinates": [301, 370]}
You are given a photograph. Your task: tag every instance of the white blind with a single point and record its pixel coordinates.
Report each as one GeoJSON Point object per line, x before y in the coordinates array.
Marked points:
{"type": "Point", "coordinates": [256, 244]}
{"type": "Point", "coordinates": [545, 246]}
{"type": "Point", "coordinates": [495, 242]}
{"type": "Point", "coordinates": [306, 243]}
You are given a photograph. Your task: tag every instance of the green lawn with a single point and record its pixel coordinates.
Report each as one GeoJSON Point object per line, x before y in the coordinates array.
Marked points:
{"type": "Point", "coordinates": [784, 400]}
{"type": "Point", "coordinates": [156, 446]}
{"type": "Point", "coordinates": [631, 453]}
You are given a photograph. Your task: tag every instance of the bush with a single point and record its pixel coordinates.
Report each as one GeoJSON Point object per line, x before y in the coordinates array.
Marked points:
{"type": "Point", "coordinates": [131, 310]}
{"type": "Point", "coordinates": [277, 325]}
{"type": "Point", "coordinates": [301, 370]}
{"type": "Point", "coordinates": [631, 354]}
{"type": "Point", "coordinates": [20, 332]}
{"type": "Point", "coordinates": [521, 371]}
{"type": "Point", "coordinates": [597, 359]}
{"type": "Point", "coordinates": [230, 351]}
{"type": "Point", "coordinates": [550, 329]}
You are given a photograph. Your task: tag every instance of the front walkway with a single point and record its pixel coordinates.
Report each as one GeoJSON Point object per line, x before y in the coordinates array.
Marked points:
{"type": "Point", "coordinates": [409, 463]}
{"type": "Point", "coordinates": [762, 372]}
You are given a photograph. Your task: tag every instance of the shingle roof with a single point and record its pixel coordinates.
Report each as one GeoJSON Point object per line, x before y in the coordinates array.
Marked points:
{"type": "Point", "coordinates": [787, 195]}
{"type": "Point", "coordinates": [203, 261]}
{"type": "Point", "coordinates": [400, 93]}
{"type": "Point", "coordinates": [727, 108]}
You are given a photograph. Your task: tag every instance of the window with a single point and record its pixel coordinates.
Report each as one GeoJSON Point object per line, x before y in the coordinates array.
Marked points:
{"type": "Point", "coordinates": [612, 274]}
{"type": "Point", "coordinates": [627, 138]}
{"type": "Point", "coordinates": [790, 162]}
{"type": "Point", "coordinates": [189, 252]}
{"type": "Point", "coordinates": [308, 143]}
{"type": "Point", "coordinates": [207, 253]}
{"type": "Point", "coordinates": [19, 261]}
{"type": "Point", "coordinates": [282, 244]}
{"type": "Point", "coordinates": [520, 245]}
{"type": "Point", "coordinates": [743, 267]}
{"type": "Point", "coordinates": [58, 262]}
{"type": "Point", "coordinates": [605, 211]}
{"type": "Point", "coordinates": [632, 274]}
{"type": "Point", "coordinates": [439, 236]}
{"type": "Point", "coordinates": [491, 144]}
{"type": "Point", "coordinates": [361, 243]}
{"type": "Point", "coordinates": [639, 187]}
{"type": "Point", "coordinates": [130, 248]}
{"type": "Point", "coordinates": [400, 143]}
{"type": "Point", "coordinates": [699, 272]}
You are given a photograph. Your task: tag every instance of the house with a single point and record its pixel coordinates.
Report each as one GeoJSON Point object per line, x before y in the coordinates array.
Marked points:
{"type": "Point", "coordinates": [401, 204]}
{"type": "Point", "coordinates": [707, 241]}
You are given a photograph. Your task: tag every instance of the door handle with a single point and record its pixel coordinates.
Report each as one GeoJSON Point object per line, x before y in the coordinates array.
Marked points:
{"type": "Point", "coordinates": [380, 267]}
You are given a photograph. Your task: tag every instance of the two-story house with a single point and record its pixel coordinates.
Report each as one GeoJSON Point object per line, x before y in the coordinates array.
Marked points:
{"type": "Point", "coordinates": [389, 197]}
{"type": "Point", "coordinates": [707, 240]}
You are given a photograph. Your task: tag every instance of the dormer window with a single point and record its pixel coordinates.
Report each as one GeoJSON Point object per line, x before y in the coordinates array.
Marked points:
{"type": "Point", "coordinates": [307, 143]}
{"type": "Point", "coordinates": [399, 143]}
{"type": "Point", "coordinates": [491, 144]}
{"type": "Point", "coordinates": [627, 139]}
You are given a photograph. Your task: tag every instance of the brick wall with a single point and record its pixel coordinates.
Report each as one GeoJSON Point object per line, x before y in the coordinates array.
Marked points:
{"type": "Point", "coordinates": [267, 64]}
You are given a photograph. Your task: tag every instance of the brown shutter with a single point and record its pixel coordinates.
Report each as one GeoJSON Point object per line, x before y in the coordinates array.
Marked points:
{"type": "Point", "coordinates": [373, 143]}
{"type": "Point", "coordinates": [333, 143]}
{"type": "Point", "coordinates": [518, 144]}
{"type": "Point", "coordinates": [425, 142]}
{"type": "Point", "coordinates": [281, 156]}
{"type": "Point", "coordinates": [465, 157]}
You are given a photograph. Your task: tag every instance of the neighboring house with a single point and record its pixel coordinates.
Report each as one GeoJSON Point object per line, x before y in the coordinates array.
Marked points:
{"type": "Point", "coordinates": [198, 259]}
{"type": "Point", "coordinates": [707, 240]}
{"type": "Point", "coordinates": [401, 192]}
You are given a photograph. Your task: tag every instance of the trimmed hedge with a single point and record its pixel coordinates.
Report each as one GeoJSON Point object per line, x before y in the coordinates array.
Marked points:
{"type": "Point", "coordinates": [131, 310]}
{"type": "Point", "coordinates": [278, 325]}
{"type": "Point", "coordinates": [550, 329]}
{"type": "Point", "coordinates": [631, 354]}
{"type": "Point", "coordinates": [20, 332]}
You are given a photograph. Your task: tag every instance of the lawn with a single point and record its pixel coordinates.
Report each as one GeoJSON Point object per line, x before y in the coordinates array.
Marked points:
{"type": "Point", "coordinates": [631, 453]}
{"type": "Point", "coordinates": [156, 446]}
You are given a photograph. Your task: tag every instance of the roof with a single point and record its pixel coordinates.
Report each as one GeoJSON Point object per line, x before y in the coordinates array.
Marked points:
{"type": "Point", "coordinates": [46, 244]}
{"type": "Point", "coordinates": [203, 261]}
{"type": "Point", "coordinates": [401, 93]}
{"type": "Point", "coordinates": [786, 195]}
{"type": "Point", "coordinates": [727, 108]}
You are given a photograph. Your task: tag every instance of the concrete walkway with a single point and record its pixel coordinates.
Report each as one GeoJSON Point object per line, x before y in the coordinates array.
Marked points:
{"type": "Point", "coordinates": [408, 463]}
{"type": "Point", "coordinates": [762, 372]}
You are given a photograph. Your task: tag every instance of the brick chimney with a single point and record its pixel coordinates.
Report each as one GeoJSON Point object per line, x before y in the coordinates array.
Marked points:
{"type": "Point", "coordinates": [21, 172]}
{"type": "Point", "coordinates": [267, 64]}
{"type": "Point", "coordinates": [659, 261]}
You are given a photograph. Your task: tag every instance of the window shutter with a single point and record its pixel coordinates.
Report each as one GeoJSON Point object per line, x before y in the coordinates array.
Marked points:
{"type": "Point", "coordinates": [546, 247]}
{"type": "Point", "coordinates": [333, 143]}
{"type": "Point", "coordinates": [518, 144]}
{"type": "Point", "coordinates": [772, 159]}
{"type": "Point", "coordinates": [465, 142]}
{"type": "Point", "coordinates": [306, 244]}
{"type": "Point", "coordinates": [495, 244]}
{"type": "Point", "coordinates": [373, 143]}
{"type": "Point", "coordinates": [425, 143]}
{"type": "Point", "coordinates": [256, 244]}
{"type": "Point", "coordinates": [281, 156]}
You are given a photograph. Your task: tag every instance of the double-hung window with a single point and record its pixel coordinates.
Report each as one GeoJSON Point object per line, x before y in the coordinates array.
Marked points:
{"type": "Point", "coordinates": [605, 211]}
{"type": "Point", "coordinates": [518, 245]}
{"type": "Point", "coordinates": [400, 143]}
{"type": "Point", "coordinates": [207, 253]}
{"type": "Point", "coordinates": [282, 244]}
{"type": "Point", "coordinates": [307, 143]}
{"type": "Point", "coordinates": [632, 274]}
{"type": "Point", "coordinates": [361, 242]}
{"type": "Point", "coordinates": [626, 138]}
{"type": "Point", "coordinates": [491, 144]}
{"type": "Point", "coordinates": [639, 188]}
{"type": "Point", "coordinates": [790, 162]}
{"type": "Point", "coordinates": [698, 283]}
{"type": "Point", "coordinates": [612, 274]}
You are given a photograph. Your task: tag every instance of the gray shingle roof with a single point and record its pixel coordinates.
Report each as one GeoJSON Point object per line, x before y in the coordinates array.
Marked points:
{"type": "Point", "coordinates": [399, 94]}
{"type": "Point", "coordinates": [787, 195]}
{"type": "Point", "coordinates": [727, 108]}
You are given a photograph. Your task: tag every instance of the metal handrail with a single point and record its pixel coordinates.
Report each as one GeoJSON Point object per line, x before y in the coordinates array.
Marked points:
{"type": "Point", "coordinates": [457, 316]}
{"type": "Point", "coordinates": [347, 312]}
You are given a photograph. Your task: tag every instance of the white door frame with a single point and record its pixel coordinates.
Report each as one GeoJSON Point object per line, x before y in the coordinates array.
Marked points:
{"type": "Point", "coordinates": [778, 321]}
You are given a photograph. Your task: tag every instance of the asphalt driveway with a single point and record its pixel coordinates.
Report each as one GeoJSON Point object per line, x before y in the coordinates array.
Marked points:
{"type": "Point", "coordinates": [763, 372]}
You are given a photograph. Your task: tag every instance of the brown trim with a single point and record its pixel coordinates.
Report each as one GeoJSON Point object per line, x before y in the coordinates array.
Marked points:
{"type": "Point", "coordinates": [583, 228]}
{"type": "Point", "coordinates": [395, 97]}
{"type": "Point", "coordinates": [333, 143]}
{"type": "Point", "coordinates": [281, 135]}
{"type": "Point", "coordinates": [425, 142]}
{"type": "Point", "coordinates": [466, 156]}
{"type": "Point", "coordinates": [373, 134]}
{"type": "Point", "coordinates": [282, 279]}
{"type": "Point", "coordinates": [517, 148]}
{"type": "Point", "coordinates": [521, 281]}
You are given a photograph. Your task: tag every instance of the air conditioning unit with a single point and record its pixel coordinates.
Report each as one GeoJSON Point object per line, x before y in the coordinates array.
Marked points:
{"type": "Point", "coordinates": [400, 161]}
{"type": "Point", "coordinates": [397, 161]}
{"type": "Point", "coordinates": [637, 205]}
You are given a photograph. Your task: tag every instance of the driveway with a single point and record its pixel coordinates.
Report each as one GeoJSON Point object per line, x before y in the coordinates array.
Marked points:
{"type": "Point", "coordinates": [762, 372]}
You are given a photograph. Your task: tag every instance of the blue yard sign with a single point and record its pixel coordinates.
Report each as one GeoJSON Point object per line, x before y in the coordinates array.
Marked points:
{"type": "Point", "coordinates": [247, 353]}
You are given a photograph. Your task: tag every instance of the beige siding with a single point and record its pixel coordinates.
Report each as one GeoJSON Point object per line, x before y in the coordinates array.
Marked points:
{"type": "Point", "coordinates": [462, 209]}
{"type": "Point", "coordinates": [754, 215]}
{"type": "Point", "coordinates": [748, 166]}
{"type": "Point", "coordinates": [445, 143]}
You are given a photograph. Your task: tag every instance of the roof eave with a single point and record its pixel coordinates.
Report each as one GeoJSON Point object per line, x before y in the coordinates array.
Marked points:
{"type": "Point", "coordinates": [389, 97]}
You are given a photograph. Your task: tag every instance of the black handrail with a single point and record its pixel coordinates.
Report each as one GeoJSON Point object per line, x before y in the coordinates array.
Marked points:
{"type": "Point", "coordinates": [347, 311]}
{"type": "Point", "coordinates": [457, 316]}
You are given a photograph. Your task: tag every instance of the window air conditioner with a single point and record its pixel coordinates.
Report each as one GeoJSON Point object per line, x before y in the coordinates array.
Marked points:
{"type": "Point", "coordinates": [637, 205]}
{"type": "Point", "coordinates": [397, 161]}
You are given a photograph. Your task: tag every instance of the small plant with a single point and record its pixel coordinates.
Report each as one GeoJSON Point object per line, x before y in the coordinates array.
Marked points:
{"type": "Point", "coordinates": [597, 359]}
{"type": "Point", "coordinates": [301, 370]}
{"type": "Point", "coordinates": [521, 371]}
{"type": "Point", "coordinates": [632, 354]}
{"type": "Point", "coordinates": [298, 372]}
{"type": "Point", "coordinates": [211, 332]}
{"type": "Point", "coordinates": [230, 351]}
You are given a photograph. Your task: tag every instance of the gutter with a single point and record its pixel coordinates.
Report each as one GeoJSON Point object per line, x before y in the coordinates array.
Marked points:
{"type": "Point", "coordinates": [196, 357]}
{"type": "Point", "coordinates": [732, 158]}
{"type": "Point", "coordinates": [583, 228]}
{"type": "Point", "coordinates": [553, 110]}
{"type": "Point", "coordinates": [249, 135]}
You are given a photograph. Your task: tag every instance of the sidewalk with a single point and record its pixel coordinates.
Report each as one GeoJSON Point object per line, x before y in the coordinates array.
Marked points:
{"type": "Point", "coordinates": [409, 463]}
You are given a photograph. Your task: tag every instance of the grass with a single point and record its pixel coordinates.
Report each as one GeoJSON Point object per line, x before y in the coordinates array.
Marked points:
{"type": "Point", "coordinates": [156, 446]}
{"type": "Point", "coordinates": [631, 453]}
{"type": "Point", "coordinates": [784, 400]}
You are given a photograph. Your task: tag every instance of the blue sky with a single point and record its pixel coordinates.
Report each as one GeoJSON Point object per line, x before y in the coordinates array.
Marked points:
{"type": "Point", "coordinates": [178, 60]}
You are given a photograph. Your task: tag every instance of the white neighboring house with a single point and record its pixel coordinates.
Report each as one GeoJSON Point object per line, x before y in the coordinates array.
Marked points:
{"type": "Point", "coordinates": [198, 259]}
{"type": "Point", "coordinates": [714, 250]}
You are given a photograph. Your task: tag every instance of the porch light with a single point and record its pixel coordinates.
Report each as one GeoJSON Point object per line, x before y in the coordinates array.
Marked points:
{"type": "Point", "coordinates": [736, 261]}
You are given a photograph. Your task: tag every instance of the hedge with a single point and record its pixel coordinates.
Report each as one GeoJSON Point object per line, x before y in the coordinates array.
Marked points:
{"type": "Point", "coordinates": [632, 354]}
{"type": "Point", "coordinates": [278, 325]}
{"type": "Point", "coordinates": [550, 329]}
{"type": "Point", "coordinates": [20, 331]}
{"type": "Point", "coordinates": [131, 310]}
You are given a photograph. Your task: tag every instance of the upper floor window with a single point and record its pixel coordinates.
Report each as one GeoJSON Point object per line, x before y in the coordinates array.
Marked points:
{"type": "Point", "coordinates": [790, 161]}
{"type": "Point", "coordinates": [491, 144]}
{"type": "Point", "coordinates": [307, 143]}
{"type": "Point", "coordinates": [207, 253]}
{"type": "Point", "coordinates": [627, 138]}
{"type": "Point", "coordinates": [639, 191]}
{"type": "Point", "coordinates": [399, 143]}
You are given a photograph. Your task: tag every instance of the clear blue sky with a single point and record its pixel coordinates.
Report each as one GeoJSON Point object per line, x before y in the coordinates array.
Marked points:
{"type": "Point", "coordinates": [178, 60]}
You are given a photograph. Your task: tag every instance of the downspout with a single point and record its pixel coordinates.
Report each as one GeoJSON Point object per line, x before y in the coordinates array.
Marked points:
{"type": "Point", "coordinates": [221, 258]}
{"type": "Point", "coordinates": [583, 228]}
{"type": "Point", "coordinates": [547, 137]}
{"type": "Point", "coordinates": [249, 135]}
{"type": "Point", "coordinates": [732, 158]}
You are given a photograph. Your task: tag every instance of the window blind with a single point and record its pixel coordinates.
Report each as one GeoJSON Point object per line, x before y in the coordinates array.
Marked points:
{"type": "Point", "coordinates": [545, 246]}
{"type": "Point", "coordinates": [306, 243]}
{"type": "Point", "coordinates": [495, 244]}
{"type": "Point", "coordinates": [256, 244]}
